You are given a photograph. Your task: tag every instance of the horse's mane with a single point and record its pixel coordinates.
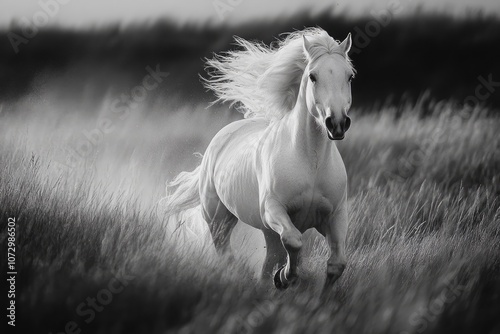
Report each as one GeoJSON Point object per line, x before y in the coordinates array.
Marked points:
{"type": "Point", "coordinates": [264, 80]}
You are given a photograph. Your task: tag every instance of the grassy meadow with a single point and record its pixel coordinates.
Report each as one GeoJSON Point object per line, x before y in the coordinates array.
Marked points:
{"type": "Point", "coordinates": [93, 255]}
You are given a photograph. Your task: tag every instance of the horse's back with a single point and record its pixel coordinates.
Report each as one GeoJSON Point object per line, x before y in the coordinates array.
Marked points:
{"type": "Point", "coordinates": [228, 168]}
{"type": "Point", "coordinates": [238, 134]}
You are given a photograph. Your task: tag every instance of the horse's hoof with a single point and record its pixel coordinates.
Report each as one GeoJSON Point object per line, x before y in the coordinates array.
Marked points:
{"type": "Point", "coordinates": [278, 283]}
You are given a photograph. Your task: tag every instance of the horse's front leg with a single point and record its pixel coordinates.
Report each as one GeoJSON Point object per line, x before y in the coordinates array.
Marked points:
{"type": "Point", "coordinates": [335, 231]}
{"type": "Point", "coordinates": [275, 253]}
{"type": "Point", "coordinates": [277, 219]}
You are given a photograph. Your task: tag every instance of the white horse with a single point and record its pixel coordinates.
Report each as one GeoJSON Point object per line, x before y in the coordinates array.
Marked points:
{"type": "Point", "coordinates": [279, 169]}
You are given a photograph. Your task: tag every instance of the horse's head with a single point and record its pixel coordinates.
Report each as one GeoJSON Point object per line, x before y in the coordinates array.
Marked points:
{"type": "Point", "coordinates": [328, 90]}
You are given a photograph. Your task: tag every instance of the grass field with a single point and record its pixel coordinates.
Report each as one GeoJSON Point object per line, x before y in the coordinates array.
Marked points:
{"type": "Point", "coordinates": [92, 255]}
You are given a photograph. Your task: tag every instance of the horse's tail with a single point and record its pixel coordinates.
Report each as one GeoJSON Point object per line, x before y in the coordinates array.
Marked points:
{"type": "Point", "coordinates": [185, 196]}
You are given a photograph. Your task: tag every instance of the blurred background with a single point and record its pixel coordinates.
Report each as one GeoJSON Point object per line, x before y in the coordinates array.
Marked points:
{"type": "Point", "coordinates": [82, 50]}
{"type": "Point", "coordinates": [101, 103]}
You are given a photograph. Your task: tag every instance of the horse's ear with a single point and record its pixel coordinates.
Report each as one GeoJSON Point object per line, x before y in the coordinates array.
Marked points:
{"type": "Point", "coordinates": [307, 47]}
{"type": "Point", "coordinates": [346, 44]}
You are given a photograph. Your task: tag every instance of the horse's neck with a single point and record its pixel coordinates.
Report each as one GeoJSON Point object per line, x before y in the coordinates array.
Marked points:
{"type": "Point", "coordinates": [306, 135]}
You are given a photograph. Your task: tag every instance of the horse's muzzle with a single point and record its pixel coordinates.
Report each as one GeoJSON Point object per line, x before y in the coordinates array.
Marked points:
{"type": "Point", "coordinates": [336, 131]}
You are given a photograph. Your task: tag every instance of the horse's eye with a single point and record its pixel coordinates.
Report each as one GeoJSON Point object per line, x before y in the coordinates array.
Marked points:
{"type": "Point", "coordinates": [312, 77]}
{"type": "Point", "coordinates": [351, 77]}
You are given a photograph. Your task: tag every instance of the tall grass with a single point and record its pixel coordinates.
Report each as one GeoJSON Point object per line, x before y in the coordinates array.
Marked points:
{"type": "Point", "coordinates": [423, 243]}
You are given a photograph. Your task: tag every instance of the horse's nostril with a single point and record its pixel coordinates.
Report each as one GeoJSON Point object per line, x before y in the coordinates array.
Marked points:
{"type": "Point", "coordinates": [347, 123]}
{"type": "Point", "coordinates": [329, 123]}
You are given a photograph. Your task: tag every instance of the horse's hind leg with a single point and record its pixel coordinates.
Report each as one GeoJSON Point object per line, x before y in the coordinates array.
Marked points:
{"type": "Point", "coordinates": [221, 223]}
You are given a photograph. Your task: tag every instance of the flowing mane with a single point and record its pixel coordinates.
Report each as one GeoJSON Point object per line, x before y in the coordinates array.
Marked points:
{"type": "Point", "coordinates": [264, 80]}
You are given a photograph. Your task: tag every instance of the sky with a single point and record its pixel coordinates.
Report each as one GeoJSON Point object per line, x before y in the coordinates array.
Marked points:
{"type": "Point", "coordinates": [84, 13]}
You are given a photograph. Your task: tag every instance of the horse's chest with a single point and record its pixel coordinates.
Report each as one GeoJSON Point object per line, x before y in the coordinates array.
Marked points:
{"type": "Point", "coordinates": [309, 210]}
{"type": "Point", "coordinates": [313, 205]}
